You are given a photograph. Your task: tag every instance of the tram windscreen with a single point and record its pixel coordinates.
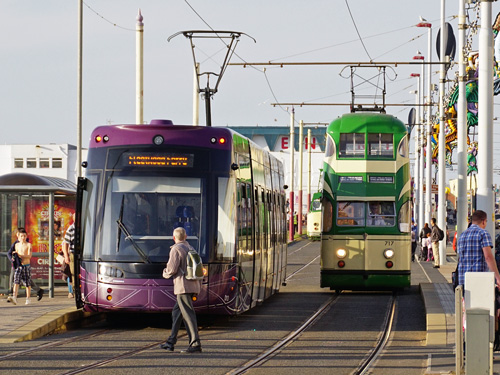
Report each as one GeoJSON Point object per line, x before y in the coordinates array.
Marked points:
{"type": "Point", "coordinates": [371, 214]}
{"type": "Point", "coordinates": [140, 214]}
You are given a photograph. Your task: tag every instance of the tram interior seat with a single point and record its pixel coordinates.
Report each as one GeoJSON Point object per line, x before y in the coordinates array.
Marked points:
{"type": "Point", "coordinates": [184, 215]}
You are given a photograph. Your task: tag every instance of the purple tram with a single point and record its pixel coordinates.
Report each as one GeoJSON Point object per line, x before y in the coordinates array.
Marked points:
{"type": "Point", "coordinates": [142, 181]}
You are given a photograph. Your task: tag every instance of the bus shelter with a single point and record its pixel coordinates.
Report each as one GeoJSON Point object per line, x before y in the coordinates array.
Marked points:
{"type": "Point", "coordinates": [44, 207]}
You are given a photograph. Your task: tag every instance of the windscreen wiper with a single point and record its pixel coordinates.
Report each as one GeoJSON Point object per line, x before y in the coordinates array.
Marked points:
{"type": "Point", "coordinates": [129, 237]}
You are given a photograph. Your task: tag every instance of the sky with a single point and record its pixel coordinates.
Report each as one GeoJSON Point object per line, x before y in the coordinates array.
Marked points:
{"type": "Point", "coordinates": [38, 60]}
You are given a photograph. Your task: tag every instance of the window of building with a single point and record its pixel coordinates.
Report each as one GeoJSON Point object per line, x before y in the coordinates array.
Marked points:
{"type": "Point", "coordinates": [56, 162]}
{"type": "Point", "coordinates": [18, 163]}
{"type": "Point", "coordinates": [44, 163]}
{"type": "Point", "coordinates": [31, 163]}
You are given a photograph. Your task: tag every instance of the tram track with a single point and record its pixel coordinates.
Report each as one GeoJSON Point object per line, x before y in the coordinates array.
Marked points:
{"type": "Point", "coordinates": [52, 345]}
{"type": "Point", "coordinates": [366, 365]}
{"type": "Point", "coordinates": [307, 328]}
{"type": "Point", "coordinates": [286, 341]}
{"type": "Point", "coordinates": [370, 361]}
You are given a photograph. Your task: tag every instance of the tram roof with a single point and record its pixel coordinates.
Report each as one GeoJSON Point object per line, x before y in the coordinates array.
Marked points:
{"type": "Point", "coordinates": [26, 182]}
{"type": "Point", "coordinates": [367, 123]}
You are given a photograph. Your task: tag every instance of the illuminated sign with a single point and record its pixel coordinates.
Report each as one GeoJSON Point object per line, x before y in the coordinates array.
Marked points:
{"type": "Point", "coordinates": [381, 179]}
{"type": "Point", "coordinates": [161, 160]}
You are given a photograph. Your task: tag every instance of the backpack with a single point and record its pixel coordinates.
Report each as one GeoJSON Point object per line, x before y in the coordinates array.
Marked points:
{"type": "Point", "coordinates": [194, 270]}
{"type": "Point", "coordinates": [440, 234]}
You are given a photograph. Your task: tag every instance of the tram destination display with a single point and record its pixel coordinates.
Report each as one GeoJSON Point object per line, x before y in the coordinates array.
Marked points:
{"type": "Point", "coordinates": [159, 160]}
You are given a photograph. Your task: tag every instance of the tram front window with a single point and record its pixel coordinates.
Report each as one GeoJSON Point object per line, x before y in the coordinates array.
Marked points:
{"type": "Point", "coordinates": [315, 205]}
{"type": "Point", "coordinates": [140, 214]}
{"type": "Point", "coordinates": [381, 214]}
{"type": "Point", "coordinates": [350, 214]}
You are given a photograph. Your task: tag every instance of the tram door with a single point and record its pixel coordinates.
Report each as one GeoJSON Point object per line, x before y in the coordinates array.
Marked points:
{"type": "Point", "coordinates": [245, 246]}
{"type": "Point", "coordinates": [275, 220]}
{"type": "Point", "coordinates": [265, 246]}
{"type": "Point", "coordinates": [270, 253]}
{"type": "Point", "coordinates": [257, 295]}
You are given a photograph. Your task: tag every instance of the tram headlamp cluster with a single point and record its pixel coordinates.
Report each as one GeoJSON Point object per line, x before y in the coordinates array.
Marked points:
{"type": "Point", "coordinates": [220, 140]}
{"type": "Point", "coordinates": [388, 253]}
{"type": "Point", "coordinates": [341, 253]}
{"type": "Point", "coordinates": [109, 271]}
{"type": "Point", "coordinates": [101, 138]}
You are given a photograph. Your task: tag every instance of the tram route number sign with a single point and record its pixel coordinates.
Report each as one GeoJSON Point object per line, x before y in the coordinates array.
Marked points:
{"type": "Point", "coordinates": [158, 160]}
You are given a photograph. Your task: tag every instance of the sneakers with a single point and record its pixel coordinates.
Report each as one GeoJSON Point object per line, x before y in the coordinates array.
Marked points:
{"type": "Point", "coordinates": [12, 299]}
{"type": "Point", "coordinates": [28, 301]}
{"type": "Point", "coordinates": [40, 294]}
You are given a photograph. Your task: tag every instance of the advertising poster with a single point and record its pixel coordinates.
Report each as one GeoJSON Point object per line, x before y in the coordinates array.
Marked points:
{"type": "Point", "coordinates": [37, 227]}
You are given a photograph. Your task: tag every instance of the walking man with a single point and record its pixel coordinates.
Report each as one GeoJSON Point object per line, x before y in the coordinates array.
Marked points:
{"type": "Point", "coordinates": [185, 290]}
{"type": "Point", "coordinates": [474, 249]}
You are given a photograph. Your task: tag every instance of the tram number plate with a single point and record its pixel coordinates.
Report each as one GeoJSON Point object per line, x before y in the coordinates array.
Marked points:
{"type": "Point", "coordinates": [389, 243]}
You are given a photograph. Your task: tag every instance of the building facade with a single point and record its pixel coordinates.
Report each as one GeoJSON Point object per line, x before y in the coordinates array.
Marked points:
{"type": "Point", "coordinates": [52, 160]}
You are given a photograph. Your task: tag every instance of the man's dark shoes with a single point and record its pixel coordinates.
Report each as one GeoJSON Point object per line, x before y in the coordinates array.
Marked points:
{"type": "Point", "coordinates": [167, 346]}
{"type": "Point", "coordinates": [192, 349]}
{"type": "Point", "coordinates": [40, 294]}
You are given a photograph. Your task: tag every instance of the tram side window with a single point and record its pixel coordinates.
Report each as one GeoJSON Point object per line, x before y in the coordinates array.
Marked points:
{"type": "Point", "coordinates": [352, 145]}
{"type": "Point", "coordinates": [381, 145]}
{"type": "Point", "coordinates": [227, 219]}
{"type": "Point", "coordinates": [350, 214]}
{"type": "Point", "coordinates": [381, 214]}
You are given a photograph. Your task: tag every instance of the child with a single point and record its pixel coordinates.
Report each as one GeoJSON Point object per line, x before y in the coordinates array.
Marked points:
{"type": "Point", "coordinates": [430, 255]}
{"type": "Point", "coordinates": [425, 248]}
{"type": "Point", "coordinates": [22, 273]}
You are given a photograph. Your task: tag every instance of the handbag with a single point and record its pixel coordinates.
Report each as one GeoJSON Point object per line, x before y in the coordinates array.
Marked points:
{"type": "Point", "coordinates": [454, 278]}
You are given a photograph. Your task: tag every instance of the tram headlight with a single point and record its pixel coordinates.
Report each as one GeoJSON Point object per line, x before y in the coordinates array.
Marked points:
{"type": "Point", "coordinates": [341, 253]}
{"type": "Point", "coordinates": [388, 253]}
{"type": "Point", "coordinates": [105, 270]}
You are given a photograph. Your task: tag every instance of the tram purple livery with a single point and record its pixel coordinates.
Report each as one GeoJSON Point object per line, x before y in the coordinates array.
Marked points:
{"type": "Point", "coordinates": [142, 181]}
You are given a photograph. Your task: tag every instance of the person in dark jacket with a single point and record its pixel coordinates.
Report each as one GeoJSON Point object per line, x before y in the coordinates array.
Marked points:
{"type": "Point", "coordinates": [435, 241]}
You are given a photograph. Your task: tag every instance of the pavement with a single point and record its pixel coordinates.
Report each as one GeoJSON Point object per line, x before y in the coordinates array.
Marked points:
{"type": "Point", "coordinates": [28, 322]}
{"type": "Point", "coordinates": [23, 322]}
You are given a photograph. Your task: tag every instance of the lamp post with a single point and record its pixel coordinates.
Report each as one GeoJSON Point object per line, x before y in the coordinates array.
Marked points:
{"type": "Point", "coordinates": [428, 160]}
{"type": "Point", "coordinates": [292, 172]}
{"type": "Point", "coordinates": [461, 126]}
{"type": "Point", "coordinates": [485, 199]}
{"type": "Point", "coordinates": [416, 169]}
{"type": "Point", "coordinates": [421, 132]}
{"type": "Point", "coordinates": [441, 204]}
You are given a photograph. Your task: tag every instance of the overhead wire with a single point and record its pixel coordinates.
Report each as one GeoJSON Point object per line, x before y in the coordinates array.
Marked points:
{"type": "Point", "coordinates": [357, 31]}
{"type": "Point", "coordinates": [263, 71]}
{"type": "Point", "coordinates": [105, 19]}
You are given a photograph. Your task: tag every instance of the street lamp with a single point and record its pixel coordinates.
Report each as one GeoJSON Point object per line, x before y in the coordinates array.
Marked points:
{"type": "Point", "coordinates": [428, 162]}
{"type": "Point", "coordinates": [421, 134]}
{"type": "Point", "coordinates": [416, 180]}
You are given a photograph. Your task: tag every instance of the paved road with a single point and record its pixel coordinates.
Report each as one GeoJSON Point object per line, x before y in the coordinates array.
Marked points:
{"type": "Point", "coordinates": [336, 344]}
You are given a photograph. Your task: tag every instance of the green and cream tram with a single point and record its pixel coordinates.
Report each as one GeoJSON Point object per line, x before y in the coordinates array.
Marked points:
{"type": "Point", "coordinates": [366, 238]}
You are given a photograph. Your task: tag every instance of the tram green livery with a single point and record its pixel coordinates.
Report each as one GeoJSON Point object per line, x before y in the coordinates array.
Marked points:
{"type": "Point", "coordinates": [314, 218]}
{"type": "Point", "coordinates": [366, 238]}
